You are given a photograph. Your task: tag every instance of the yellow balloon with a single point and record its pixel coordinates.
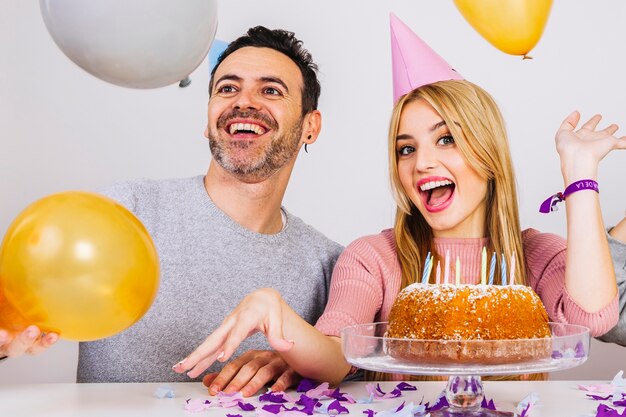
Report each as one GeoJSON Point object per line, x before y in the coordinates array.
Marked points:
{"type": "Point", "coordinates": [78, 264]}
{"type": "Point", "coordinates": [512, 26]}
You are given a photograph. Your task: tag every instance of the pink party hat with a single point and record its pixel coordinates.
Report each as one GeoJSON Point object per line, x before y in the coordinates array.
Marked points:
{"type": "Point", "coordinates": [414, 63]}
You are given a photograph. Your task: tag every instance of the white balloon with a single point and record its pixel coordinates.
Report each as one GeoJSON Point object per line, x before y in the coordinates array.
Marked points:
{"type": "Point", "coordinates": [133, 43]}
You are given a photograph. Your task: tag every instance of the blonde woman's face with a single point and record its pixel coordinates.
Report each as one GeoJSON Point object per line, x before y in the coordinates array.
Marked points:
{"type": "Point", "coordinates": [435, 176]}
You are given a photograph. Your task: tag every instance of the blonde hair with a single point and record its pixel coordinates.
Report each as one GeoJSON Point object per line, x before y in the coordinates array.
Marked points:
{"type": "Point", "coordinates": [478, 129]}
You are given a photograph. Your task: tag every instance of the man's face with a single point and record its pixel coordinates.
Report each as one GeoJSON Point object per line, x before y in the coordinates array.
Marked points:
{"type": "Point", "coordinates": [255, 113]}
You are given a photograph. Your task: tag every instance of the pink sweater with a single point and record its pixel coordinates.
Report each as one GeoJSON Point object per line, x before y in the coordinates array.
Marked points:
{"type": "Point", "coordinates": [367, 276]}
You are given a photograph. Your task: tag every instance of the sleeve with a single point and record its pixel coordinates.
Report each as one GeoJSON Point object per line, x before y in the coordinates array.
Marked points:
{"type": "Point", "coordinates": [618, 252]}
{"type": "Point", "coordinates": [356, 289]}
{"type": "Point", "coordinates": [545, 259]}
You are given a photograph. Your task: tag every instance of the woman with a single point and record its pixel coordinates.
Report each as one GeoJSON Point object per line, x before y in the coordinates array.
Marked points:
{"type": "Point", "coordinates": [453, 183]}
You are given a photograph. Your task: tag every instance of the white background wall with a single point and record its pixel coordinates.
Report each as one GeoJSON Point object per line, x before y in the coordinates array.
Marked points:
{"type": "Point", "coordinates": [62, 129]}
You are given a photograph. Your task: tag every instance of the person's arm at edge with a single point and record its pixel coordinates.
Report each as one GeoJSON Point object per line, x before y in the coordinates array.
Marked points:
{"type": "Point", "coordinates": [617, 244]}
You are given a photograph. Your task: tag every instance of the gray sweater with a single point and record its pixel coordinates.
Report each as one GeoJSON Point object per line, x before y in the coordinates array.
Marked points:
{"type": "Point", "coordinates": [618, 333]}
{"type": "Point", "coordinates": [208, 264]}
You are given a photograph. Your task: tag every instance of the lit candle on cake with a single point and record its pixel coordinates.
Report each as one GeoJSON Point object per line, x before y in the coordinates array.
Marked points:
{"type": "Point", "coordinates": [512, 277]}
{"type": "Point", "coordinates": [458, 271]}
{"type": "Point", "coordinates": [503, 270]}
{"type": "Point", "coordinates": [446, 275]}
{"type": "Point", "coordinates": [492, 268]}
{"type": "Point", "coordinates": [483, 267]}
{"type": "Point", "coordinates": [438, 273]}
{"type": "Point", "coordinates": [426, 270]}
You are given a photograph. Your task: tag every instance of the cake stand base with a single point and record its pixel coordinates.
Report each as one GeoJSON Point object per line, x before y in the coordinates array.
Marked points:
{"type": "Point", "coordinates": [465, 395]}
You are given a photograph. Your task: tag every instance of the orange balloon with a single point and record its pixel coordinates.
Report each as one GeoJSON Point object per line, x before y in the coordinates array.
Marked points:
{"type": "Point", "coordinates": [78, 264]}
{"type": "Point", "coordinates": [512, 26]}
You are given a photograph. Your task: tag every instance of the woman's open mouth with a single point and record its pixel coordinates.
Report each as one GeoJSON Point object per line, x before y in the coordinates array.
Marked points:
{"type": "Point", "coordinates": [436, 193]}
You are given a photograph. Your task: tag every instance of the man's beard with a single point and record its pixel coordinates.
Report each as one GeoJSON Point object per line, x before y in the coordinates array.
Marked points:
{"type": "Point", "coordinates": [264, 162]}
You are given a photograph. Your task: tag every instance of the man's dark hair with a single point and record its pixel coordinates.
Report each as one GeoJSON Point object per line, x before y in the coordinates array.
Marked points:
{"type": "Point", "coordinates": [286, 43]}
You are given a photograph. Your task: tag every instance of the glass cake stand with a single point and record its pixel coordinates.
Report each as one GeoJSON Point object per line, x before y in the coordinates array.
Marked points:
{"type": "Point", "coordinates": [464, 361]}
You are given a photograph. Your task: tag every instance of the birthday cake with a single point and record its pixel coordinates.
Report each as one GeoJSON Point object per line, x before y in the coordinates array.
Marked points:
{"type": "Point", "coordinates": [468, 324]}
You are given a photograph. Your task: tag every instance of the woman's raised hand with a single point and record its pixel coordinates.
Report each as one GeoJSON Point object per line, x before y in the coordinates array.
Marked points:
{"type": "Point", "coordinates": [581, 150]}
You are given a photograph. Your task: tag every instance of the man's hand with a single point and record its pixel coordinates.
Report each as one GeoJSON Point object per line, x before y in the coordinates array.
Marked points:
{"type": "Point", "coordinates": [250, 372]}
{"type": "Point", "coordinates": [30, 341]}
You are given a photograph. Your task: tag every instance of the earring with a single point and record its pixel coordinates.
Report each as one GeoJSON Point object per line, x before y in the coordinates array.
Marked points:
{"type": "Point", "coordinates": [305, 149]}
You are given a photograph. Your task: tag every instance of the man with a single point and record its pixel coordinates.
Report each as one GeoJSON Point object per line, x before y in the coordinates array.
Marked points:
{"type": "Point", "coordinates": [223, 235]}
{"type": "Point", "coordinates": [617, 244]}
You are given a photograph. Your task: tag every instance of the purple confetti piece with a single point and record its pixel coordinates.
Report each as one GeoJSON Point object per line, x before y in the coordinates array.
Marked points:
{"type": "Point", "coordinates": [620, 403]}
{"type": "Point", "coordinates": [308, 405]}
{"type": "Point", "coordinates": [246, 406]}
{"type": "Point", "coordinates": [598, 397]}
{"type": "Point", "coordinates": [306, 384]}
{"type": "Point", "coordinates": [378, 393]}
{"type": "Point", "coordinates": [400, 407]}
{"type": "Point", "coordinates": [441, 403]}
{"type": "Point", "coordinates": [606, 411]}
{"type": "Point", "coordinates": [369, 413]}
{"type": "Point", "coordinates": [337, 408]}
{"type": "Point", "coordinates": [395, 393]}
{"type": "Point", "coordinates": [272, 398]}
{"type": "Point", "coordinates": [489, 405]}
{"type": "Point", "coordinates": [342, 396]}
{"type": "Point", "coordinates": [234, 415]}
{"type": "Point", "coordinates": [272, 408]}
{"type": "Point", "coordinates": [405, 386]}
{"type": "Point", "coordinates": [556, 354]}
{"type": "Point", "coordinates": [579, 350]}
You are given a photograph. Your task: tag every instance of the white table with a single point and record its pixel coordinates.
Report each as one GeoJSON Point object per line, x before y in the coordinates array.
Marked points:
{"type": "Point", "coordinates": [558, 399]}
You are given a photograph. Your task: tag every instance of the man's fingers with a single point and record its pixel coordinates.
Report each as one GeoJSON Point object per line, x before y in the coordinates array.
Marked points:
{"type": "Point", "coordinates": [208, 379]}
{"type": "Point", "coordinates": [23, 341]}
{"type": "Point", "coordinates": [253, 375]}
{"type": "Point", "coordinates": [288, 379]}
{"type": "Point", "coordinates": [239, 372]}
{"type": "Point", "coordinates": [270, 372]}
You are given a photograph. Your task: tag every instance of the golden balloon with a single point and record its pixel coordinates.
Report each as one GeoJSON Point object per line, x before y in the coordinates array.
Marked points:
{"type": "Point", "coordinates": [78, 264]}
{"type": "Point", "coordinates": [512, 26]}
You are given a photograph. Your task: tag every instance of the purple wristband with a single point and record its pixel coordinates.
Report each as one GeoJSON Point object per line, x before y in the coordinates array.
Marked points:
{"type": "Point", "coordinates": [549, 205]}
